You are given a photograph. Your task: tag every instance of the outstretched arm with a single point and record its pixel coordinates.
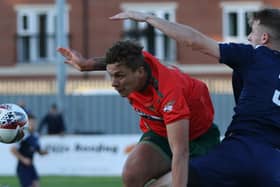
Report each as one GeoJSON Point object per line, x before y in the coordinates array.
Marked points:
{"type": "Point", "coordinates": [76, 60]}
{"type": "Point", "coordinates": [42, 152]}
{"type": "Point", "coordinates": [181, 33]}
{"type": "Point", "coordinates": [178, 133]}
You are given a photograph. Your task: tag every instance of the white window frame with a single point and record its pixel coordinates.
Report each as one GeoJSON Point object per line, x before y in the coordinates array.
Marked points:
{"type": "Point", "coordinates": [32, 12]}
{"type": "Point", "coordinates": [158, 9]}
{"type": "Point", "coordinates": [241, 8]}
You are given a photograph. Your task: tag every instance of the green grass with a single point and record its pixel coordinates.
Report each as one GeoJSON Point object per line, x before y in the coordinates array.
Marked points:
{"type": "Point", "coordinates": [62, 181]}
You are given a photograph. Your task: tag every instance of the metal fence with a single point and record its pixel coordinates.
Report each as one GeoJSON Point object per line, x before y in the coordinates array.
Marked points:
{"type": "Point", "coordinates": [109, 114]}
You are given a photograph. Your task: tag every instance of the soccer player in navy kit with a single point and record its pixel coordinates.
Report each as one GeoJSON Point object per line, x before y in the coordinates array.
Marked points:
{"type": "Point", "coordinates": [24, 152]}
{"type": "Point", "coordinates": [249, 155]}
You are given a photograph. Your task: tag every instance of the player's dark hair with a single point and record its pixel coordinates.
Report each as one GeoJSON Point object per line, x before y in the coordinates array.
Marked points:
{"type": "Point", "coordinates": [269, 18]}
{"type": "Point", "coordinates": [31, 116]}
{"type": "Point", "coordinates": [128, 53]}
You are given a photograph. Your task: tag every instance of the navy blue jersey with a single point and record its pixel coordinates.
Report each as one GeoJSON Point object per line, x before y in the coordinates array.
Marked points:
{"type": "Point", "coordinates": [259, 77]}
{"type": "Point", "coordinates": [237, 85]}
{"type": "Point", "coordinates": [29, 145]}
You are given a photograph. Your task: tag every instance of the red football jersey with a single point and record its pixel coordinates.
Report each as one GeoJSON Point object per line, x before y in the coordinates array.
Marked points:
{"type": "Point", "coordinates": [172, 95]}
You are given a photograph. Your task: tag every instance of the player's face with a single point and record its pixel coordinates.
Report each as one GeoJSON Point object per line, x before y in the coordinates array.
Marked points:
{"type": "Point", "coordinates": [124, 80]}
{"type": "Point", "coordinates": [32, 125]}
{"type": "Point", "coordinates": [257, 35]}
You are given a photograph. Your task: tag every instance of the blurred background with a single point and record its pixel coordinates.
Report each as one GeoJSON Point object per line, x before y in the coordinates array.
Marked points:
{"type": "Point", "coordinates": [33, 74]}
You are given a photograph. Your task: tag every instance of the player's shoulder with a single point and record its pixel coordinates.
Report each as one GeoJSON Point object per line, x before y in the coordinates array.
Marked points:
{"type": "Point", "coordinates": [36, 136]}
{"type": "Point", "coordinates": [232, 45]}
{"type": "Point", "coordinates": [266, 50]}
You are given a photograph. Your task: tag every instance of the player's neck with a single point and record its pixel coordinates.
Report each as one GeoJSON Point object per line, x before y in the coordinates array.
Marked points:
{"type": "Point", "coordinates": [275, 47]}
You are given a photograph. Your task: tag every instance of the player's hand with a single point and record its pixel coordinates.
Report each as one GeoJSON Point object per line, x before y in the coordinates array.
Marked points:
{"type": "Point", "coordinates": [43, 152]}
{"type": "Point", "coordinates": [73, 58]}
{"type": "Point", "coordinates": [163, 181]}
{"type": "Point", "coordinates": [26, 161]}
{"type": "Point", "coordinates": [133, 15]}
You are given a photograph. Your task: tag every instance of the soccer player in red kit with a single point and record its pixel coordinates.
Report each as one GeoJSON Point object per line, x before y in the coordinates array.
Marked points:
{"type": "Point", "coordinates": [176, 112]}
{"type": "Point", "coordinates": [170, 95]}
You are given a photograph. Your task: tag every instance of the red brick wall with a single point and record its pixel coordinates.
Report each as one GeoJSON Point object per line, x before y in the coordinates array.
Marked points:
{"type": "Point", "coordinates": [274, 3]}
{"type": "Point", "coordinates": [103, 32]}
{"type": "Point", "coordinates": [7, 33]}
{"type": "Point", "coordinates": [204, 16]}
{"type": "Point", "coordinates": [94, 33]}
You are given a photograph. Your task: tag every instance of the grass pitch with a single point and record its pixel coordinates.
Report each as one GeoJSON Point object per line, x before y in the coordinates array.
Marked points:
{"type": "Point", "coordinates": [63, 181]}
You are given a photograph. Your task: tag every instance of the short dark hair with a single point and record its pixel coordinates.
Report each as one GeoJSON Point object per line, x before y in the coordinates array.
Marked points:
{"type": "Point", "coordinates": [31, 116]}
{"type": "Point", "coordinates": [128, 53]}
{"type": "Point", "coordinates": [270, 18]}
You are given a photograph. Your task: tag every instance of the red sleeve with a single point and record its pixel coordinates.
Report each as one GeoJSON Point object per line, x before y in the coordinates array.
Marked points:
{"type": "Point", "coordinates": [174, 106]}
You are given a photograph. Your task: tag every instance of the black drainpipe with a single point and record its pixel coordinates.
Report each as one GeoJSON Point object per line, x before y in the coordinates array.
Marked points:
{"type": "Point", "coordinates": [85, 22]}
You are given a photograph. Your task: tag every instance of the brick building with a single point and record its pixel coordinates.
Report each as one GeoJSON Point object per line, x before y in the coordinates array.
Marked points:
{"type": "Point", "coordinates": [28, 44]}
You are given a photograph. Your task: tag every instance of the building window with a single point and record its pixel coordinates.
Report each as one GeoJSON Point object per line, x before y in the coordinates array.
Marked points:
{"type": "Point", "coordinates": [235, 20]}
{"type": "Point", "coordinates": [153, 40]}
{"type": "Point", "coordinates": [36, 41]}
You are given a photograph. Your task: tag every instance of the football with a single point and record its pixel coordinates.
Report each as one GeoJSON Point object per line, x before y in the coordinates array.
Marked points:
{"type": "Point", "coordinates": [12, 120]}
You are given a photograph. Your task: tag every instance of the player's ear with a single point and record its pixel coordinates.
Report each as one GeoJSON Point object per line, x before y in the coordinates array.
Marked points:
{"type": "Point", "coordinates": [265, 38]}
{"type": "Point", "coordinates": [141, 70]}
